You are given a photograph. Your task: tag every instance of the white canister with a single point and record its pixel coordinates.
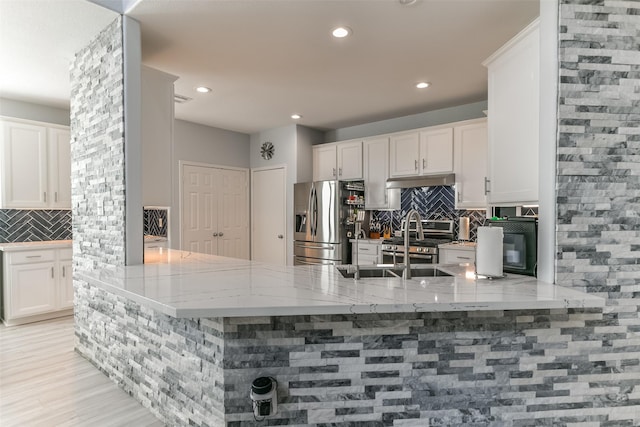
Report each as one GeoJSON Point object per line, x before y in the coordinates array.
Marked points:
{"type": "Point", "coordinates": [489, 251]}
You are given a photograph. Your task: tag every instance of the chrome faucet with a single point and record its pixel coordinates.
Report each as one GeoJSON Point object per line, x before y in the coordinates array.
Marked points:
{"type": "Point", "coordinates": [420, 236]}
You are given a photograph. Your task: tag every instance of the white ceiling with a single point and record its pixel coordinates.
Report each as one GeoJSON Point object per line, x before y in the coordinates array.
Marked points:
{"type": "Point", "coordinates": [267, 59]}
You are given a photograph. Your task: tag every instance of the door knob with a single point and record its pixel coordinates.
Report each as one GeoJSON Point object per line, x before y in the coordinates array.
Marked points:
{"type": "Point", "coordinates": [215, 234]}
{"type": "Point", "coordinates": [280, 236]}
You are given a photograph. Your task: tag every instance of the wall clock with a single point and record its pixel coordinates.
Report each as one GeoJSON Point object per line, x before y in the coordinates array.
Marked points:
{"type": "Point", "coordinates": [267, 150]}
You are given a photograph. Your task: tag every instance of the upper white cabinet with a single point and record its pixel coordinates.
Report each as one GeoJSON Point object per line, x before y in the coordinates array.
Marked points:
{"type": "Point", "coordinates": [376, 172]}
{"type": "Point", "coordinates": [427, 152]}
{"type": "Point", "coordinates": [35, 164]}
{"type": "Point", "coordinates": [436, 151]}
{"type": "Point", "coordinates": [404, 154]}
{"type": "Point", "coordinates": [341, 161]}
{"type": "Point", "coordinates": [59, 148]}
{"type": "Point", "coordinates": [470, 164]}
{"type": "Point", "coordinates": [513, 126]}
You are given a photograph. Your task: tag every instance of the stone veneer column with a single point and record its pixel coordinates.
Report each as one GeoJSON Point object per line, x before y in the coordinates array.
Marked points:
{"type": "Point", "coordinates": [598, 185]}
{"type": "Point", "coordinates": [97, 151]}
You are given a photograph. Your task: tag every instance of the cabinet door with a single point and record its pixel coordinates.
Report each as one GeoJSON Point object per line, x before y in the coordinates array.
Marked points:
{"type": "Point", "coordinates": [324, 162]}
{"type": "Point", "coordinates": [65, 285]}
{"type": "Point", "coordinates": [405, 151]}
{"type": "Point", "coordinates": [513, 101]}
{"type": "Point", "coordinates": [32, 289]}
{"type": "Point", "coordinates": [23, 165]}
{"type": "Point", "coordinates": [349, 160]}
{"type": "Point", "coordinates": [436, 151]}
{"type": "Point", "coordinates": [470, 167]}
{"type": "Point", "coordinates": [59, 168]}
{"type": "Point", "coordinates": [376, 172]}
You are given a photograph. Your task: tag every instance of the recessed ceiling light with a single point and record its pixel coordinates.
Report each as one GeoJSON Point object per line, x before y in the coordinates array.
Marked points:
{"type": "Point", "coordinates": [203, 89]}
{"type": "Point", "coordinates": [296, 116]}
{"type": "Point", "coordinates": [341, 32]}
{"type": "Point", "coordinates": [423, 85]}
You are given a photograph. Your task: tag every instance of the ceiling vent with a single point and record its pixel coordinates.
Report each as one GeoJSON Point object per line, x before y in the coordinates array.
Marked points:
{"type": "Point", "coordinates": [180, 99]}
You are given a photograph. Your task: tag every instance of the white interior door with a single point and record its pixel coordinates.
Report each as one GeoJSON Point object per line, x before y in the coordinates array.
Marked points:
{"type": "Point", "coordinates": [200, 209]}
{"type": "Point", "coordinates": [233, 224]}
{"type": "Point", "coordinates": [268, 216]}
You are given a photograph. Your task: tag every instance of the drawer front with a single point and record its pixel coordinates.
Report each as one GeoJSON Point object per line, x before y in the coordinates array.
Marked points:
{"type": "Point", "coordinates": [368, 249]}
{"type": "Point", "coordinates": [27, 257]}
{"type": "Point", "coordinates": [452, 256]}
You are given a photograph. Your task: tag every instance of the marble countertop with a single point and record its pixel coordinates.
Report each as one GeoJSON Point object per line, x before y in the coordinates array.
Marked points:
{"type": "Point", "coordinates": [465, 246]}
{"type": "Point", "coordinates": [184, 284]}
{"type": "Point", "coordinates": [33, 246]}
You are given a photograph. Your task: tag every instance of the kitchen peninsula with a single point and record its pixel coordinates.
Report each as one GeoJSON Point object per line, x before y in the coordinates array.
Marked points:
{"type": "Point", "coordinates": [187, 333]}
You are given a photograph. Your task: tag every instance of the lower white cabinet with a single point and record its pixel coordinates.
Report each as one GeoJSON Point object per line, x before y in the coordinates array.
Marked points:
{"type": "Point", "coordinates": [456, 254]}
{"type": "Point", "coordinates": [366, 252]}
{"type": "Point", "coordinates": [37, 284]}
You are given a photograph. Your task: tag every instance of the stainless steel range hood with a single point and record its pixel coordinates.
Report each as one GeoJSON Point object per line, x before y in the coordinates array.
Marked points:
{"type": "Point", "coordinates": [421, 181]}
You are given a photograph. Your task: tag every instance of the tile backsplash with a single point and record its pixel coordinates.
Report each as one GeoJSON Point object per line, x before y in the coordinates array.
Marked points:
{"type": "Point", "coordinates": [22, 225]}
{"type": "Point", "coordinates": [432, 203]}
{"type": "Point", "coordinates": [156, 222]}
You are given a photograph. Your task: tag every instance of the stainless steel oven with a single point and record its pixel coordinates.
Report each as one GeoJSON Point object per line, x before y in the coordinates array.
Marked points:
{"type": "Point", "coordinates": [424, 251]}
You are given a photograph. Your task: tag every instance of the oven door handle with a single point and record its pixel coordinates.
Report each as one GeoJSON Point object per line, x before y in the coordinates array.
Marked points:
{"type": "Point", "coordinates": [400, 254]}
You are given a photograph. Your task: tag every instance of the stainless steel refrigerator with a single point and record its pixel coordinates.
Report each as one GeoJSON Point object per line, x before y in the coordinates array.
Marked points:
{"type": "Point", "coordinates": [319, 235]}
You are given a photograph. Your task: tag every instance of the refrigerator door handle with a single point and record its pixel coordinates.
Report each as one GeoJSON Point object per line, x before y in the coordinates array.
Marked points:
{"type": "Point", "coordinates": [310, 210]}
{"type": "Point", "coordinates": [315, 211]}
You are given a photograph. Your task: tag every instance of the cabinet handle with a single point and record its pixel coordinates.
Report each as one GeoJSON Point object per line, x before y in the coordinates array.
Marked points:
{"type": "Point", "coordinates": [34, 256]}
{"type": "Point", "coordinates": [486, 185]}
{"type": "Point", "coordinates": [463, 257]}
{"type": "Point", "coordinates": [340, 171]}
{"type": "Point", "coordinates": [364, 249]}
{"type": "Point", "coordinates": [334, 172]}
{"type": "Point", "coordinates": [56, 196]}
{"type": "Point", "coordinates": [415, 164]}
{"type": "Point", "coordinates": [280, 236]}
{"type": "Point", "coordinates": [215, 234]}
{"type": "Point", "coordinates": [221, 234]}
{"type": "Point", "coordinates": [52, 272]}
{"type": "Point", "coordinates": [424, 163]}
{"type": "Point", "coordinates": [458, 194]}
{"type": "Point", "coordinates": [64, 273]}
{"type": "Point", "coordinates": [45, 197]}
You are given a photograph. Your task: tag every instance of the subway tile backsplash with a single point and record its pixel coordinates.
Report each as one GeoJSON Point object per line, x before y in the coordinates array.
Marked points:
{"type": "Point", "coordinates": [432, 203]}
{"type": "Point", "coordinates": [21, 225]}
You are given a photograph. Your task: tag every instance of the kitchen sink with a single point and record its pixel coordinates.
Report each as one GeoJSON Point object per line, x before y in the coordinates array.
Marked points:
{"type": "Point", "coordinates": [379, 272]}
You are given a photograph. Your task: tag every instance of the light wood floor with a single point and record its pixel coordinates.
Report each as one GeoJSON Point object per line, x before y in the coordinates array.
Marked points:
{"type": "Point", "coordinates": [44, 382]}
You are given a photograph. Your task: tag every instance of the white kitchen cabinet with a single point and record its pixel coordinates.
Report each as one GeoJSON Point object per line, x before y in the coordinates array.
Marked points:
{"type": "Point", "coordinates": [342, 160]}
{"type": "Point", "coordinates": [427, 152]}
{"type": "Point", "coordinates": [404, 154]}
{"type": "Point", "coordinates": [366, 252]}
{"type": "Point", "coordinates": [37, 284]}
{"type": "Point", "coordinates": [436, 151]}
{"type": "Point", "coordinates": [456, 254]}
{"type": "Point", "coordinates": [59, 150]}
{"type": "Point", "coordinates": [375, 155]}
{"type": "Point", "coordinates": [35, 164]}
{"type": "Point", "coordinates": [349, 155]}
{"type": "Point", "coordinates": [470, 164]}
{"type": "Point", "coordinates": [513, 119]}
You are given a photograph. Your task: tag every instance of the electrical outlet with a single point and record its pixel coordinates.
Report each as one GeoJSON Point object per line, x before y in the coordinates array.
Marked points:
{"type": "Point", "coordinates": [160, 222]}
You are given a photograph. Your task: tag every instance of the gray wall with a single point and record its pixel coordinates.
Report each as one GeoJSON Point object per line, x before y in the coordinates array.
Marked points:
{"type": "Point", "coordinates": [30, 111]}
{"type": "Point", "coordinates": [284, 140]}
{"type": "Point", "coordinates": [198, 143]}
{"type": "Point", "coordinates": [430, 118]}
